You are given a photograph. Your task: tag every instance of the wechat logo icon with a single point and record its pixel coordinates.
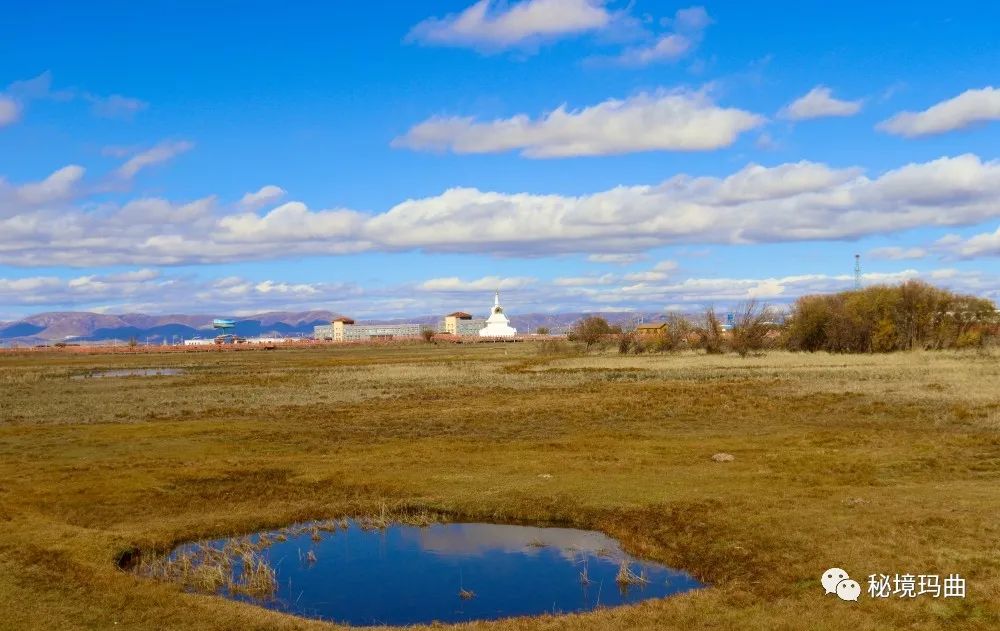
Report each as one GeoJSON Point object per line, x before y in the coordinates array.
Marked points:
{"type": "Point", "coordinates": [836, 581]}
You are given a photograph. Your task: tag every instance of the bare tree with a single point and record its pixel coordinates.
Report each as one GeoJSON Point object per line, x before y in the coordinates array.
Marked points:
{"type": "Point", "coordinates": [749, 334]}
{"type": "Point", "coordinates": [676, 336]}
{"type": "Point", "coordinates": [710, 333]}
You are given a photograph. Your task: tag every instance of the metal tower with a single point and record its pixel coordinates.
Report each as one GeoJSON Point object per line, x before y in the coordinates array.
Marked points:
{"type": "Point", "coordinates": [857, 271]}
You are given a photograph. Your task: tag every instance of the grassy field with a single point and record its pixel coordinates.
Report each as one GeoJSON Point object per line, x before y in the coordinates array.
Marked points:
{"type": "Point", "coordinates": [876, 464]}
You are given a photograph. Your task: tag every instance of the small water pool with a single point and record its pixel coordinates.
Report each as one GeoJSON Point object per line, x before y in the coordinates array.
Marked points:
{"type": "Point", "coordinates": [401, 575]}
{"type": "Point", "coordinates": [130, 372]}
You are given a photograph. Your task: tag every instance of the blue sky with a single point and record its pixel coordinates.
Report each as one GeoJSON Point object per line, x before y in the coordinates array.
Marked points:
{"type": "Point", "coordinates": [408, 157]}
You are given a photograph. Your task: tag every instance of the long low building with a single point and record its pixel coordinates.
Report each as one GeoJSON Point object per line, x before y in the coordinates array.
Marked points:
{"type": "Point", "coordinates": [346, 330]}
{"type": "Point", "coordinates": [461, 323]}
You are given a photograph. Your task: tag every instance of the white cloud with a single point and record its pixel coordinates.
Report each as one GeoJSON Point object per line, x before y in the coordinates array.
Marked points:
{"type": "Point", "coordinates": [819, 103]}
{"type": "Point", "coordinates": [689, 25]}
{"type": "Point", "coordinates": [262, 197]}
{"type": "Point", "coordinates": [986, 244]}
{"type": "Point", "coordinates": [660, 271]}
{"type": "Point", "coordinates": [153, 211]}
{"type": "Point", "coordinates": [896, 253]}
{"type": "Point", "coordinates": [486, 283]}
{"type": "Point", "coordinates": [616, 259]}
{"type": "Point", "coordinates": [58, 186]}
{"type": "Point", "coordinates": [10, 111]}
{"type": "Point", "coordinates": [293, 222]}
{"type": "Point", "coordinates": [491, 26]}
{"type": "Point", "coordinates": [968, 108]}
{"type": "Point", "coordinates": [147, 291]}
{"type": "Point", "coordinates": [664, 121]}
{"type": "Point", "coordinates": [584, 281]}
{"type": "Point", "coordinates": [155, 155]}
{"type": "Point", "coordinates": [40, 88]}
{"type": "Point", "coordinates": [802, 201]}
{"type": "Point", "coordinates": [799, 202]}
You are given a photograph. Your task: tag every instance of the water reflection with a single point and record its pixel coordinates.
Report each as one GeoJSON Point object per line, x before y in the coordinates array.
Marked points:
{"type": "Point", "coordinates": [444, 572]}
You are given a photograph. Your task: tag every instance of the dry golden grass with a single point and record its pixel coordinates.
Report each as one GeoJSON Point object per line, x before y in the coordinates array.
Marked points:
{"type": "Point", "coordinates": [871, 463]}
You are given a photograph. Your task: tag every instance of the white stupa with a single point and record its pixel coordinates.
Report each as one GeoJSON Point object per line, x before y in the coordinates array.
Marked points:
{"type": "Point", "coordinates": [497, 325]}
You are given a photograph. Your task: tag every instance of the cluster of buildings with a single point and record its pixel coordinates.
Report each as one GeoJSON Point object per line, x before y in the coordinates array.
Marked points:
{"type": "Point", "coordinates": [459, 323]}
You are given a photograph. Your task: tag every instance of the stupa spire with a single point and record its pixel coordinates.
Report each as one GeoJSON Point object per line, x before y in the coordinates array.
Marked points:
{"type": "Point", "coordinates": [497, 325]}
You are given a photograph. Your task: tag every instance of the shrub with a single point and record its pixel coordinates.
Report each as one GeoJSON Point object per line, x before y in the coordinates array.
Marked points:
{"type": "Point", "coordinates": [676, 336]}
{"type": "Point", "coordinates": [749, 334]}
{"type": "Point", "coordinates": [883, 318]}
{"type": "Point", "coordinates": [590, 330]}
{"type": "Point", "coordinates": [542, 330]}
{"type": "Point", "coordinates": [626, 342]}
{"type": "Point", "coordinates": [710, 333]}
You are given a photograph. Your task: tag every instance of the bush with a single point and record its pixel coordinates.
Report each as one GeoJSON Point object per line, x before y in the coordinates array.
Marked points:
{"type": "Point", "coordinates": [626, 342]}
{"type": "Point", "coordinates": [427, 334]}
{"type": "Point", "coordinates": [710, 333]}
{"type": "Point", "coordinates": [542, 330]}
{"type": "Point", "coordinates": [881, 319]}
{"type": "Point", "coordinates": [749, 334]}
{"type": "Point", "coordinates": [676, 336]}
{"type": "Point", "coordinates": [590, 330]}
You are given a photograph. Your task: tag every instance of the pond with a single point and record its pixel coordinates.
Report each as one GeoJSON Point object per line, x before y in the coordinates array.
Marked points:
{"type": "Point", "coordinates": [131, 372]}
{"type": "Point", "coordinates": [400, 575]}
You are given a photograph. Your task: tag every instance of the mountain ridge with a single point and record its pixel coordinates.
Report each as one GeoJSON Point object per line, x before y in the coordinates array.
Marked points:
{"type": "Point", "coordinates": [85, 326]}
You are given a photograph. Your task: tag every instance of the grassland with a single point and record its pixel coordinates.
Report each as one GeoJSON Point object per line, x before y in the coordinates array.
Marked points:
{"type": "Point", "coordinates": [876, 464]}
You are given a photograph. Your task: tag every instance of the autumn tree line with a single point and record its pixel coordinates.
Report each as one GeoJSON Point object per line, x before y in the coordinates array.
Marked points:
{"type": "Point", "coordinates": [877, 319]}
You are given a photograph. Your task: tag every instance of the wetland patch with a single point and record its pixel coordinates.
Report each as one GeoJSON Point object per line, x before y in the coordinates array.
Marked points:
{"type": "Point", "coordinates": [349, 572]}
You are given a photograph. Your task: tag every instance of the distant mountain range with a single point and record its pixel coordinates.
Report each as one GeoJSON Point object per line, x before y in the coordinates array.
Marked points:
{"type": "Point", "coordinates": [75, 326]}
{"type": "Point", "coordinates": [84, 327]}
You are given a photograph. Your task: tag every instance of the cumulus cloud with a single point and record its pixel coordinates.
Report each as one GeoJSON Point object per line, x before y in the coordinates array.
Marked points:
{"type": "Point", "coordinates": [689, 27]}
{"type": "Point", "coordinates": [486, 283]}
{"type": "Point", "coordinates": [660, 271]}
{"type": "Point", "coordinates": [964, 110]}
{"type": "Point", "coordinates": [584, 281]}
{"type": "Point", "coordinates": [986, 244]}
{"type": "Point", "coordinates": [10, 111]}
{"type": "Point", "coordinates": [896, 253]}
{"type": "Point", "coordinates": [159, 154]}
{"type": "Point", "coordinates": [262, 197]}
{"type": "Point", "coordinates": [58, 186]}
{"type": "Point", "coordinates": [819, 103]}
{"type": "Point", "coordinates": [616, 259]}
{"type": "Point", "coordinates": [803, 201]}
{"type": "Point", "coordinates": [490, 26]}
{"type": "Point", "coordinates": [678, 120]}
{"type": "Point", "coordinates": [147, 291]}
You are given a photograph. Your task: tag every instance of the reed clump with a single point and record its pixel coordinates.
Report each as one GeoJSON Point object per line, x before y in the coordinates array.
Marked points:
{"type": "Point", "coordinates": [205, 568]}
{"type": "Point", "coordinates": [626, 577]}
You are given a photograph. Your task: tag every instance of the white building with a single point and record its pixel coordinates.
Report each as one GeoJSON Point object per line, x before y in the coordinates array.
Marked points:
{"type": "Point", "coordinates": [497, 325]}
{"type": "Point", "coordinates": [345, 330]}
{"type": "Point", "coordinates": [198, 341]}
